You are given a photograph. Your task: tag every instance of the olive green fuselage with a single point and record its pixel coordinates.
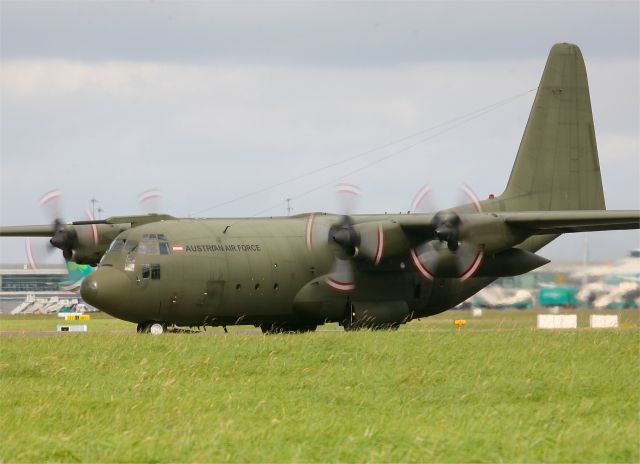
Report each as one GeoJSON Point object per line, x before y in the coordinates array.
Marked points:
{"type": "Point", "coordinates": [252, 271]}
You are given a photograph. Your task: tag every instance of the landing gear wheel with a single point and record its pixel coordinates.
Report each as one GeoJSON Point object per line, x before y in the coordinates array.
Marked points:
{"type": "Point", "coordinates": [157, 329]}
{"type": "Point", "coordinates": [152, 327]}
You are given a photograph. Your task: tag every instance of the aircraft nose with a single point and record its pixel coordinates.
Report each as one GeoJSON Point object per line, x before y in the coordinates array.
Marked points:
{"type": "Point", "coordinates": [89, 288]}
{"type": "Point", "coordinates": [102, 286]}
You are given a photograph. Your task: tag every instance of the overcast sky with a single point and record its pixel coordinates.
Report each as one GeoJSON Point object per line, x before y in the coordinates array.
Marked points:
{"type": "Point", "coordinates": [211, 101]}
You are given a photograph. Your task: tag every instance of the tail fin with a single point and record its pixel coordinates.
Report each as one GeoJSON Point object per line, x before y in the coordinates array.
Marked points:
{"type": "Point", "coordinates": [557, 165]}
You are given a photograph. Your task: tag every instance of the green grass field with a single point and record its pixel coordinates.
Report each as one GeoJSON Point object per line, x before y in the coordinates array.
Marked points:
{"type": "Point", "coordinates": [496, 390]}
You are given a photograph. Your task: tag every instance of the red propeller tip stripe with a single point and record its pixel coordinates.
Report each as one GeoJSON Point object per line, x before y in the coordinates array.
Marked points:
{"type": "Point", "coordinates": [343, 287]}
{"type": "Point", "coordinates": [49, 196]}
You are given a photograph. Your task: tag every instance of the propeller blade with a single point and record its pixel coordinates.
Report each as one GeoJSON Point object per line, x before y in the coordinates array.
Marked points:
{"type": "Point", "coordinates": [423, 201]}
{"type": "Point", "coordinates": [51, 204]}
{"type": "Point", "coordinates": [470, 197]}
{"type": "Point", "coordinates": [150, 201]}
{"type": "Point", "coordinates": [30, 255]}
{"type": "Point", "coordinates": [316, 232]}
{"type": "Point", "coordinates": [371, 241]}
{"type": "Point", "coordinates": [38, 251]}
{"type": "Point", "coordinates": [87, 234]}
{"type": "Point", "coordinates": [347, 198]}
{"type": "Point", "coordinates": [341, 276]}
{"type": "Point", "coordinates": [468, 260]}
{"type": "Point", "coordinates": [426, 258]}
{"type": "Point", "coordinates": [62, 238]}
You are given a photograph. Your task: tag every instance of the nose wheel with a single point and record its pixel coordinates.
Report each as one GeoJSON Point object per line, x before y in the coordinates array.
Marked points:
{"type": "Point", "coordinates": [152, 327]}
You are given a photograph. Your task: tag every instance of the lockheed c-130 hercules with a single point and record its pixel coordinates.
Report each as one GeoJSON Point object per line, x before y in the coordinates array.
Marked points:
{"type": "Point", "coordinates": [294, 273]}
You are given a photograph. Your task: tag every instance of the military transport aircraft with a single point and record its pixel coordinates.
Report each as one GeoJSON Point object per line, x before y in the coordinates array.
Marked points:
{"type": "Point", "coordinates": [293, 273]}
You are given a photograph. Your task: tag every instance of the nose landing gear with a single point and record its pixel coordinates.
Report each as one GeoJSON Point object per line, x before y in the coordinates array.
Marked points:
{"type": "Point", "coordinates": [152, 327]}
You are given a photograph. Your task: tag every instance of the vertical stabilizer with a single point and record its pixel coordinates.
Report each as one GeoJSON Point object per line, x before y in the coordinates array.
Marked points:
{"type": "Point", "coordinates": [557, 165]}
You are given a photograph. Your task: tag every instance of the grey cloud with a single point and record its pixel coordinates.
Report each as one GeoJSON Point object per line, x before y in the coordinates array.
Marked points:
{"type": "Point", "coordinates": [313, 33]}
{"type": "Point", "coordinates": [209, 101]}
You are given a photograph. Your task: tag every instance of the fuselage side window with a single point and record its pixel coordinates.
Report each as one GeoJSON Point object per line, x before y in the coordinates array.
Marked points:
{"type": "Point", "coordinates": [146, 271]}
{"type": "Point", "coordinates": [155, 271]}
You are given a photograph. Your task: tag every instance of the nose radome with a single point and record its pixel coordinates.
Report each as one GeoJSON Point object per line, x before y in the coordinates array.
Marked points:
{"type": "Point", "coordinates": [89, 289]}
{"type": "Point", "coordinates": [102, 286]}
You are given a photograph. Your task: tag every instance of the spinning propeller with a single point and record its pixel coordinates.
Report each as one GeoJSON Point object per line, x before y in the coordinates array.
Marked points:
{"type": "Point", "coordinates": [70, 237]}
{"type": "Point", "coordinates": [150, 201]}
{"type": "Point", "coordinates": [348, 240]}
{"type": "Point", "coordinates": [65, 237]}
{"type": "Point", "coordinates": [449, 253]}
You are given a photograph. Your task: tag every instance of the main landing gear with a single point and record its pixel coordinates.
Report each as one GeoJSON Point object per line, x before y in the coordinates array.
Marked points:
{"type": "Point", "coordinates": [354, 321]}
{"type": "Point", "coordinates": [276, 328]}
{"type": "Point", "coordinates": [152, 327]}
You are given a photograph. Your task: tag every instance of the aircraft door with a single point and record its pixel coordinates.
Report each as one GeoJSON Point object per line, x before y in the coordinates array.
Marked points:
{"type": "Point", "coordinates": [198, 288]}
{"type": "Point", "coordinates": [203, 283]}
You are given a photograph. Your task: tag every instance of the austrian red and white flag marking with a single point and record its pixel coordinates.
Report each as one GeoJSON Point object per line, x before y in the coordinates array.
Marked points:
{"type": "Point", "coordinates": [177, 248]}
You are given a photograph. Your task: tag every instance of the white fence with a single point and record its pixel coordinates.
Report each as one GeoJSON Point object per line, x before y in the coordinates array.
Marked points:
{"type": "Point", "coordinates": [557, 321]}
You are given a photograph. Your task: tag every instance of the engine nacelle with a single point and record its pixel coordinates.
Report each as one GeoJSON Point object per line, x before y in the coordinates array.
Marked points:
{"type": "Point", "coordinates": [511, 262]}
{"type": "Point", "coordinates": [92, 241]}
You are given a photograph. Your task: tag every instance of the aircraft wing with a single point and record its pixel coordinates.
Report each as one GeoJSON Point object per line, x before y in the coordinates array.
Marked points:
{"type": "Point", "coordinates": [27, 231]}
{"type": "Point", "coordinates": [49, 229]}
{"type": "Point", "coordinates": [561, 222]}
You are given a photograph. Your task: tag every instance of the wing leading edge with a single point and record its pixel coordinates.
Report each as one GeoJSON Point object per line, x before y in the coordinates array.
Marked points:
{"type": "Point", "coordinates": [516, 226]}
{"type": "Point", "coordinates": [27, 231]}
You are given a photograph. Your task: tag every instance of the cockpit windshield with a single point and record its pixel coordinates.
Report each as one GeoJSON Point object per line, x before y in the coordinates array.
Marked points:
{"type": "Point", "coordinates": [149, 247]}
{"type": "Point", "coordinates": [154, 244]}
{"type": "Point", "coordinates": [151, 244]}
{"type": "Point", "coordinates": [130, 246]}
{"type": "Point", "coordinates": [116, 245]}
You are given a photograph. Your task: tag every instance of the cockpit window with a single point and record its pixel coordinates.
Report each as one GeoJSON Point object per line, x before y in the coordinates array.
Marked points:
{"type": "Point", "coordinates": [164, 248]}
{"type": "Point", "coordinates": [151, 244]}
{"type": "Point", "coordinates": [149, 247]}
{"type": "Point", "coordinates": [130, 246]}
{"type": "Point", "coordinates": [116, 245]}
{"type": "Point", "coordinates": [154, 237]}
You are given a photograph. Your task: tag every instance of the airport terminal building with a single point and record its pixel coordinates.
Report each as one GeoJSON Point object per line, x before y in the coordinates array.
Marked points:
{"type": "Point", "coordinates": [17, 281]}
{"type": "Point", "coordinates": [20, 278]}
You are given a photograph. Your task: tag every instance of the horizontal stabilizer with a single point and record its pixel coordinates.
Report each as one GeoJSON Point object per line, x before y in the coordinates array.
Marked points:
{"type": "Point", "coordinates": [560, 222]}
